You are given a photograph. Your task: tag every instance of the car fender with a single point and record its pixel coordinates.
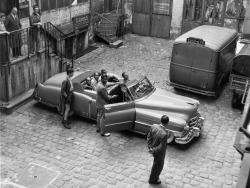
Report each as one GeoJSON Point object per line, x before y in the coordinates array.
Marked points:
{"type": "Point", "coordinates": [49, 95]}
{"type": "Point", "coordinates": [145, 118]}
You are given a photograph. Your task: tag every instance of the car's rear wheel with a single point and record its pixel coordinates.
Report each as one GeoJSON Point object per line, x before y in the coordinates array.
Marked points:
{"type": "Point", "coordinates": [170, 137]}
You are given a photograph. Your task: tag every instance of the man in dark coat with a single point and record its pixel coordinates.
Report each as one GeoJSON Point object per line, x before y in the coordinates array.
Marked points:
{"type": "Point", "coordinates": [12, 23]}
{"type": "Point", "coordinates": [66, 98]}
{"type": "Point", "coordinates": [102, 98]}
{"type": "Point", "coordinates": [35, 21]}
{"type": "Point", "coordinates": [157, 145]}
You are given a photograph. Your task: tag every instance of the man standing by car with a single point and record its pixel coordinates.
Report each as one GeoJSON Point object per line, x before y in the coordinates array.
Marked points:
{"type": "Point", "coordinates": [66, 97]}
{"type": "Point", "coordinates": [157, 145]}
{"type": "Point", "coordinates": [102, 98]}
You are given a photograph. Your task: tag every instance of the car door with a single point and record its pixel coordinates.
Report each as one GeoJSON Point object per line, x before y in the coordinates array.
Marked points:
{"type": "Point", "coordinates": [82, 104]}
{"type": "Point", "coordinates": [119, 116]}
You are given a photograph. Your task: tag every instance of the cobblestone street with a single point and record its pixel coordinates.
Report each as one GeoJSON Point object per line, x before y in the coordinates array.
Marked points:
{"type": "Point", "coordinates": [81, 158]}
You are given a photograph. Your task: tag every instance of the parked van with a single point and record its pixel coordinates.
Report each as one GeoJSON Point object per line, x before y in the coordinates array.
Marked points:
{"type": "Point", "coordinates": [202, 58]}
{"type": "Point", "coordinates": [240, 76]}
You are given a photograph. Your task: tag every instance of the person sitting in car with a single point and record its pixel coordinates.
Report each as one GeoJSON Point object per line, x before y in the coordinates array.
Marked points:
{"type": "Point", "coordinates": [111, 77]}
{"type": "Point", "coordinates": [94, 80]}
{"type": "Point", "coordinates": [87, 84]}
{"type": "Point", "coordinates": [125, 77]}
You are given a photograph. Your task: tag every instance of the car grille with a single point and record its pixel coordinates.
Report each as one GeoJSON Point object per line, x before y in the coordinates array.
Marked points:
{"type": "Point", "coordinates": [194, 122]}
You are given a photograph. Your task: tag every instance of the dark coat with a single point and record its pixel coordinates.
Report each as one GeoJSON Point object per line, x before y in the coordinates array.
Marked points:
{"type": "Point", "coordinates": [102, 97]}
{"type": "Point", "coordinates": [157, 139]}
{"type": "Point", "coordinates": [13, 24]}
{"type": "Point", "coordinates": [64, 89]}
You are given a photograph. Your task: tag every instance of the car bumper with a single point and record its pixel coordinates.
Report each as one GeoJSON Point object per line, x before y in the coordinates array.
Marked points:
{"type": "Point", "coordinates": [35, 97]}
{"type": "Point", "coordinates": [192, 132]}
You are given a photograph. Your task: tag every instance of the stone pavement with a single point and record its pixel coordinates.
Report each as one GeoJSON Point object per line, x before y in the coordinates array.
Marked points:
{"type": "Point", "coordinates": [33, 137]}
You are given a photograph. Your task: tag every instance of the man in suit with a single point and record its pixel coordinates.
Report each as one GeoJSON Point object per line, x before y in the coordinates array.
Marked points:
{"type": "Point", "coordinates": [66, 98]}
{"type": "Point", "coordinates": [12, 23]}
{"type": "Point", "coordinates": [157, 145]}
{"type": "Point", "coordinates": [102, 98]}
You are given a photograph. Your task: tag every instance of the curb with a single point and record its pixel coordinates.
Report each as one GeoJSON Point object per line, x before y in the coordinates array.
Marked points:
{"type": "Point", "coordinates": [9, 107]}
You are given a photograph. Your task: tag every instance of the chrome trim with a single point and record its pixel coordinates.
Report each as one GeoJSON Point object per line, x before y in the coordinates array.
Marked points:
{"type": "Point", "coordinates": [174, 131]}
{"type": "Point", "coordinates": [193, 131]}
{"type": "Point", "coordinates": [117, 123]}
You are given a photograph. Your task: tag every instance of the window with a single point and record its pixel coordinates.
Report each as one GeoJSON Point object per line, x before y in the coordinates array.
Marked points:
{"type": "Point", "coordinates": [193, 10]}
{"type": "Point", "coordinates": [54, 4]}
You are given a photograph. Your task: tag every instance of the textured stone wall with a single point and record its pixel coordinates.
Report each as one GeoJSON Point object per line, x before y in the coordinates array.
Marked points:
{"type": "Point", "coordinates": [177, 11]}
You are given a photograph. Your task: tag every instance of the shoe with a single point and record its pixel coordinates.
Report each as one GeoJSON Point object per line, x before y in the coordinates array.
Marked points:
{"type": "Point", "coordinates": [155, 182]}
{"type": "Point", "coordinates": [106, 134]}
{"type": "Point", "coordinates": [66, 121]}
{"type": "Point", "coordinates": [97, 130]}
{"type": "Point", "coordinates": [66, 126]}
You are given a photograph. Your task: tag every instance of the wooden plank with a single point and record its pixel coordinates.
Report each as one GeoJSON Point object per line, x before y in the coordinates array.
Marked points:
{"type": "Point", "coordinates": [141, 24]}
{"type": "Point", "coordinates": [142, 6]}
{"type": "Point", "coordinates": [160, 26]}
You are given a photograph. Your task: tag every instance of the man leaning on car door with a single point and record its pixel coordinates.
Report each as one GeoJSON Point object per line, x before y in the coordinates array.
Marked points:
{"type": "Point", "coordinates": [102, 98]}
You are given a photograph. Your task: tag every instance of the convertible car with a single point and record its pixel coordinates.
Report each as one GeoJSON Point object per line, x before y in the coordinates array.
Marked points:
{"type": "Point", "coordinates": [138, 105]}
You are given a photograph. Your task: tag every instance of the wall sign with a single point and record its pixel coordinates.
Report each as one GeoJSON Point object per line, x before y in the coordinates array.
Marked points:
{"type": "Point", "coordinates": [161, 7]}
{"type": "Point", "coordinates": [81, 21]}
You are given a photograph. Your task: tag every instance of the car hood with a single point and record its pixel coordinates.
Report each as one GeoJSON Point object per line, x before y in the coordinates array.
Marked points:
{"type": "Point", "coordinates": [166, 103]}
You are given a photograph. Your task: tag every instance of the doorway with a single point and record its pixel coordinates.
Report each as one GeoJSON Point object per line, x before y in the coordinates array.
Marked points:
{"type": "Point", "coordinates": [152, 18]}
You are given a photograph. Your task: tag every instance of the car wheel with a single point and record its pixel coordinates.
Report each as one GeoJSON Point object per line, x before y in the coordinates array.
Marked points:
{"type": "Point", "coordinates": [170, 137]}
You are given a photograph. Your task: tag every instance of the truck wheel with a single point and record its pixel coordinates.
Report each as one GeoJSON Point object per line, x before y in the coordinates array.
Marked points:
{"type": "Point", "coordinates": [170, 137]}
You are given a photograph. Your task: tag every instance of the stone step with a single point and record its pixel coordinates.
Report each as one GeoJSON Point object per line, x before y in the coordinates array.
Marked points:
{"type": "Point", "coordinates": [106, 27]}
{"type": "Point", "coordinates": [107, 30]}
{"type": "Point", "coordinates": [105, 35]}
{"type": "Point", "coordinates": [114, 22]}
{"type": "Point", "coordinates": [111, 18]}
{"type": "Point", "coordinates": [116, 44]}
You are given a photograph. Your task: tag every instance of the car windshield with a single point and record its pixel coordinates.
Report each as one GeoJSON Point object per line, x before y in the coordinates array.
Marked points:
{"type": "Point", "coordinates": [141, 88]}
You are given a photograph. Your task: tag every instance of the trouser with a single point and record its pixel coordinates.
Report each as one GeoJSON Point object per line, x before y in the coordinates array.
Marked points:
{"type": "Point", "coordinates": [157, 166]}
{"type": "Point", "coordinates": [16, 51]}
{"type": "Point", "coordinates": [100, 116]}
{"type": "Point", "coordinates": [34, 41]}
